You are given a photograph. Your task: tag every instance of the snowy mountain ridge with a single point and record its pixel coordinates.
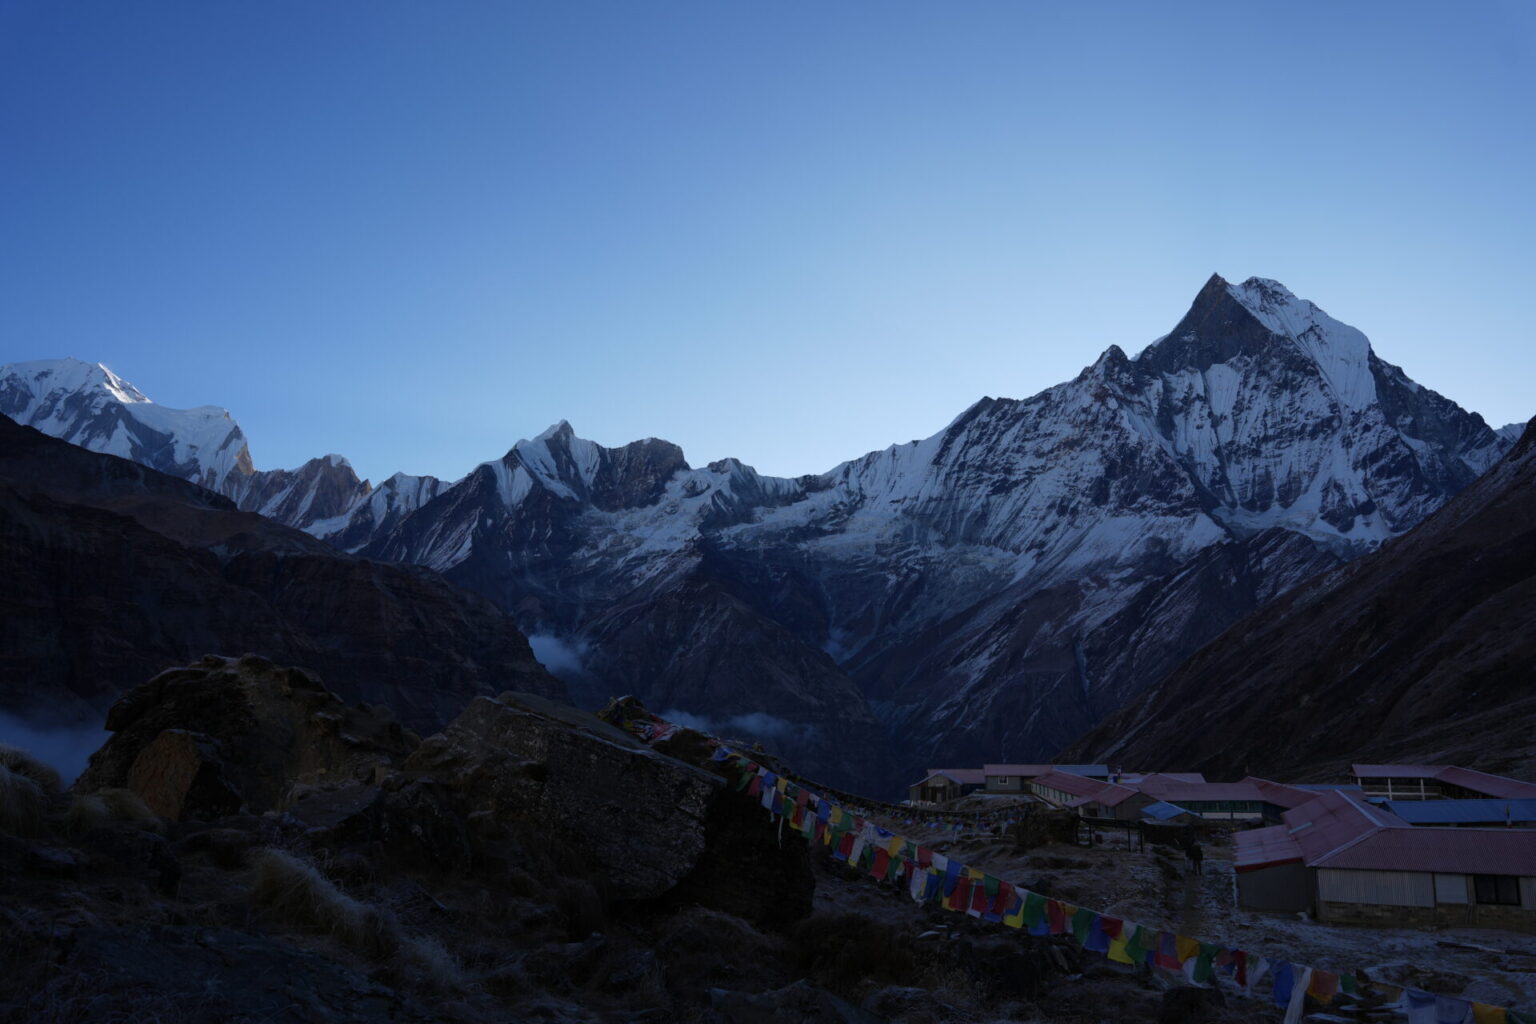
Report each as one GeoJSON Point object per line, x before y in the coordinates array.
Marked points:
{"type": "Point", "coordinates": [90, 406]}
{"type": "Point", "coordinates": [1000, 585]}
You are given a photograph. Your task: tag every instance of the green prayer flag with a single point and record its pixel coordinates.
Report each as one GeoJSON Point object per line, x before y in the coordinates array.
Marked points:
{"type": "Point", "coordinates": [1138, 948]}
{"type": "Point", "coordinates": [1082, 923]}
{"type": "Point", "coordinates": [1203, 968]}
{"type": "Point", "coordinates": [1348, 984]}
{"type": "Point", "coordinates": [993, 887]}
{"type": "Point", "coordinates": [1034, 910]}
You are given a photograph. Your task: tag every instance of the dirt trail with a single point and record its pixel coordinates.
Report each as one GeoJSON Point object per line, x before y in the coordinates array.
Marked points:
{"type": "Point", "coordinates": [1192, 912]}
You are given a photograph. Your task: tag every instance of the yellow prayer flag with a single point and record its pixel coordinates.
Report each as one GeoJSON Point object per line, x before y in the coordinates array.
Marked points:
{"type": "Point", "coordinates": [1482, 1013]}
{"type": "Point", "coordinates": [1117, 946]}
{"type": "Point", "coordinates": [1186, 948]}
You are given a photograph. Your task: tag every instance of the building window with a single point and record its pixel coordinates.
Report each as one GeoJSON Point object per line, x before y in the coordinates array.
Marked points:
{"type": "Point", "coordinates": [1003, 780]}
{"type": "Point", "coordinates": [1496, 889]}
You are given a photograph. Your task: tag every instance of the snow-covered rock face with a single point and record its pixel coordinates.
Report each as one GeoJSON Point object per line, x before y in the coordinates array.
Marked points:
{"type": "Point", "coordinates": [985, 593]}
{"type": "Point", "coordinates": [1000, 585]}
{"type": "Point", "coordinates": [89, 405]}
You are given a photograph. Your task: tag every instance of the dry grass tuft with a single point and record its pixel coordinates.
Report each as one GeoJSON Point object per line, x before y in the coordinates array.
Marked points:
{"type": "Point", "coordinates": [21, 804]}
{"type": "Point", "coordinates": [87, 811]}
{"type": "Point", "coordinates": [294, 891]}
{"type": "Point", "coordinates": [436, 966]}
{"type": "Point", "coordinates": [127, 806]}
{"type": "Point", "coordinates": [843, 951]}
{"type": "Point", "coordinates": [24, 764]}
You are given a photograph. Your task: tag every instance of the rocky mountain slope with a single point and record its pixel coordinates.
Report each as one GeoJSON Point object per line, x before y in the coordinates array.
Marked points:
{"type": "Point", "coordinates": [1421, 652]}
{"type": "Point", "coordinates": [114, 571]}
{"type": "Point", "coordinates": [984, 594]}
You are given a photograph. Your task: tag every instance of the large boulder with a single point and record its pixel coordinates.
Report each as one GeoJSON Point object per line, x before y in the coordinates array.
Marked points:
{"type": "Point", "coordinates": [634, 819]}
{"type": "Point", "coordinates": [226, 735]}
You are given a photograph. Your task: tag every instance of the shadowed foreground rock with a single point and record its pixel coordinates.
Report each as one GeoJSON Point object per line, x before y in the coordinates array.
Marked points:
{"type": "Point", "coordinates": [227, 735]}
{"type": "Point", "coordinates": [637, 815]}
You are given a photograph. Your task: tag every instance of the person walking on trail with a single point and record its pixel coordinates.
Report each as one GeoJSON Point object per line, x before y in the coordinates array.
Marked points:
{"type": "Point", "coordinates": [1196, 858]}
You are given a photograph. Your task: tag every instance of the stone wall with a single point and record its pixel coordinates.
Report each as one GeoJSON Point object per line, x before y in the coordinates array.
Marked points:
{"type": "Point", "coordinates": [1446, 915]}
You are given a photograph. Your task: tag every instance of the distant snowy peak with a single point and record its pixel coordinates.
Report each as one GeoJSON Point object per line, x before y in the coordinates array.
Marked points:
{"type": "Point", "coordinates": [1511, 432]}
{"type": "Point", "coordinates": [90, 406]}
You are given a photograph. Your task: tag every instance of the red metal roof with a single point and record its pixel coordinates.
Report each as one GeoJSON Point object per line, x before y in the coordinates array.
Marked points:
{"type": "Point", "coordinates": [1176, 792]}
{"type": "Point", "coordinates": [1395, 771]}
{"type": "Point", "coordinates": [1281, 795]}
{"type": "Point", "coordinates": [1106, 793]}
{"type": "Point", "coordinates": [1015, 769]}
{"type": "Point", "coordinates": [1263, 848]}
{"type": "Point", "coordinates": [1471, 851]}
{"type": "Point", "coordinates": [1489, 785]}
{"type": "Point", "coordinates": [1496, 786]}
{"type": "Point", "coordinates": [964, 776]}
{"type": "Point", "coordinates": [1338, 830]}
{"type": "Point", "coordinates": [1333, 821]}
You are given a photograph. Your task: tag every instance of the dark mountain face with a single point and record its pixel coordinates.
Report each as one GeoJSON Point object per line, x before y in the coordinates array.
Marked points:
{"type": "Point", "coordinates": [114, 572]}
{"type": "Point", "coordinates": [1421, 652]}
{"type": "Point", "coordinates": [986, 593]}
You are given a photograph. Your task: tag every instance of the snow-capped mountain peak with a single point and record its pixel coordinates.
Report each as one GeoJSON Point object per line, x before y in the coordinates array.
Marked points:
{"type": "Point", "coordinates": [1341, 352]}
{"type": "Point", "coordinates": [89, 405]}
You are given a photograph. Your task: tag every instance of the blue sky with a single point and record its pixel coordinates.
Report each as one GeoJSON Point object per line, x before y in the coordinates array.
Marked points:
{"type": "Point", "coordinates": [791, 232]}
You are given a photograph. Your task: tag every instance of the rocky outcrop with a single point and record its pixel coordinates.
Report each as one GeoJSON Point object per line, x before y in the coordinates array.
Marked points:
{"type": "Point", "coordinates": [636, 817]}
{"type": "Point", "coordinates": [115, 572]}
{"type": "Point", "coordinates": [225, 736]}
{"type": "Point", "coordinates": [1420, 652]}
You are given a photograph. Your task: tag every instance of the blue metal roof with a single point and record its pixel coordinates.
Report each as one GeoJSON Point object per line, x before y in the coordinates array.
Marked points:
{"type": "Point", "coordinates": [1463, 812]}
{"type": "Point", "coordinates": [1162, 811]}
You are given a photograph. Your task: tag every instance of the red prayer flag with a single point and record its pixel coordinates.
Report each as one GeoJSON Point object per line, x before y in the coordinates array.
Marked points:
{"type": "Point", "coordinates": [882, 865]}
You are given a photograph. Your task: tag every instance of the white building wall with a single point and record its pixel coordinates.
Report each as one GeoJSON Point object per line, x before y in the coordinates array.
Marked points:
{"type": "Point", "coordinates": [1451, 889]}
{"type": "Point", "coordinates": [1386, 888]}
{"type": "Point", "coordinates": [1528, 893]}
